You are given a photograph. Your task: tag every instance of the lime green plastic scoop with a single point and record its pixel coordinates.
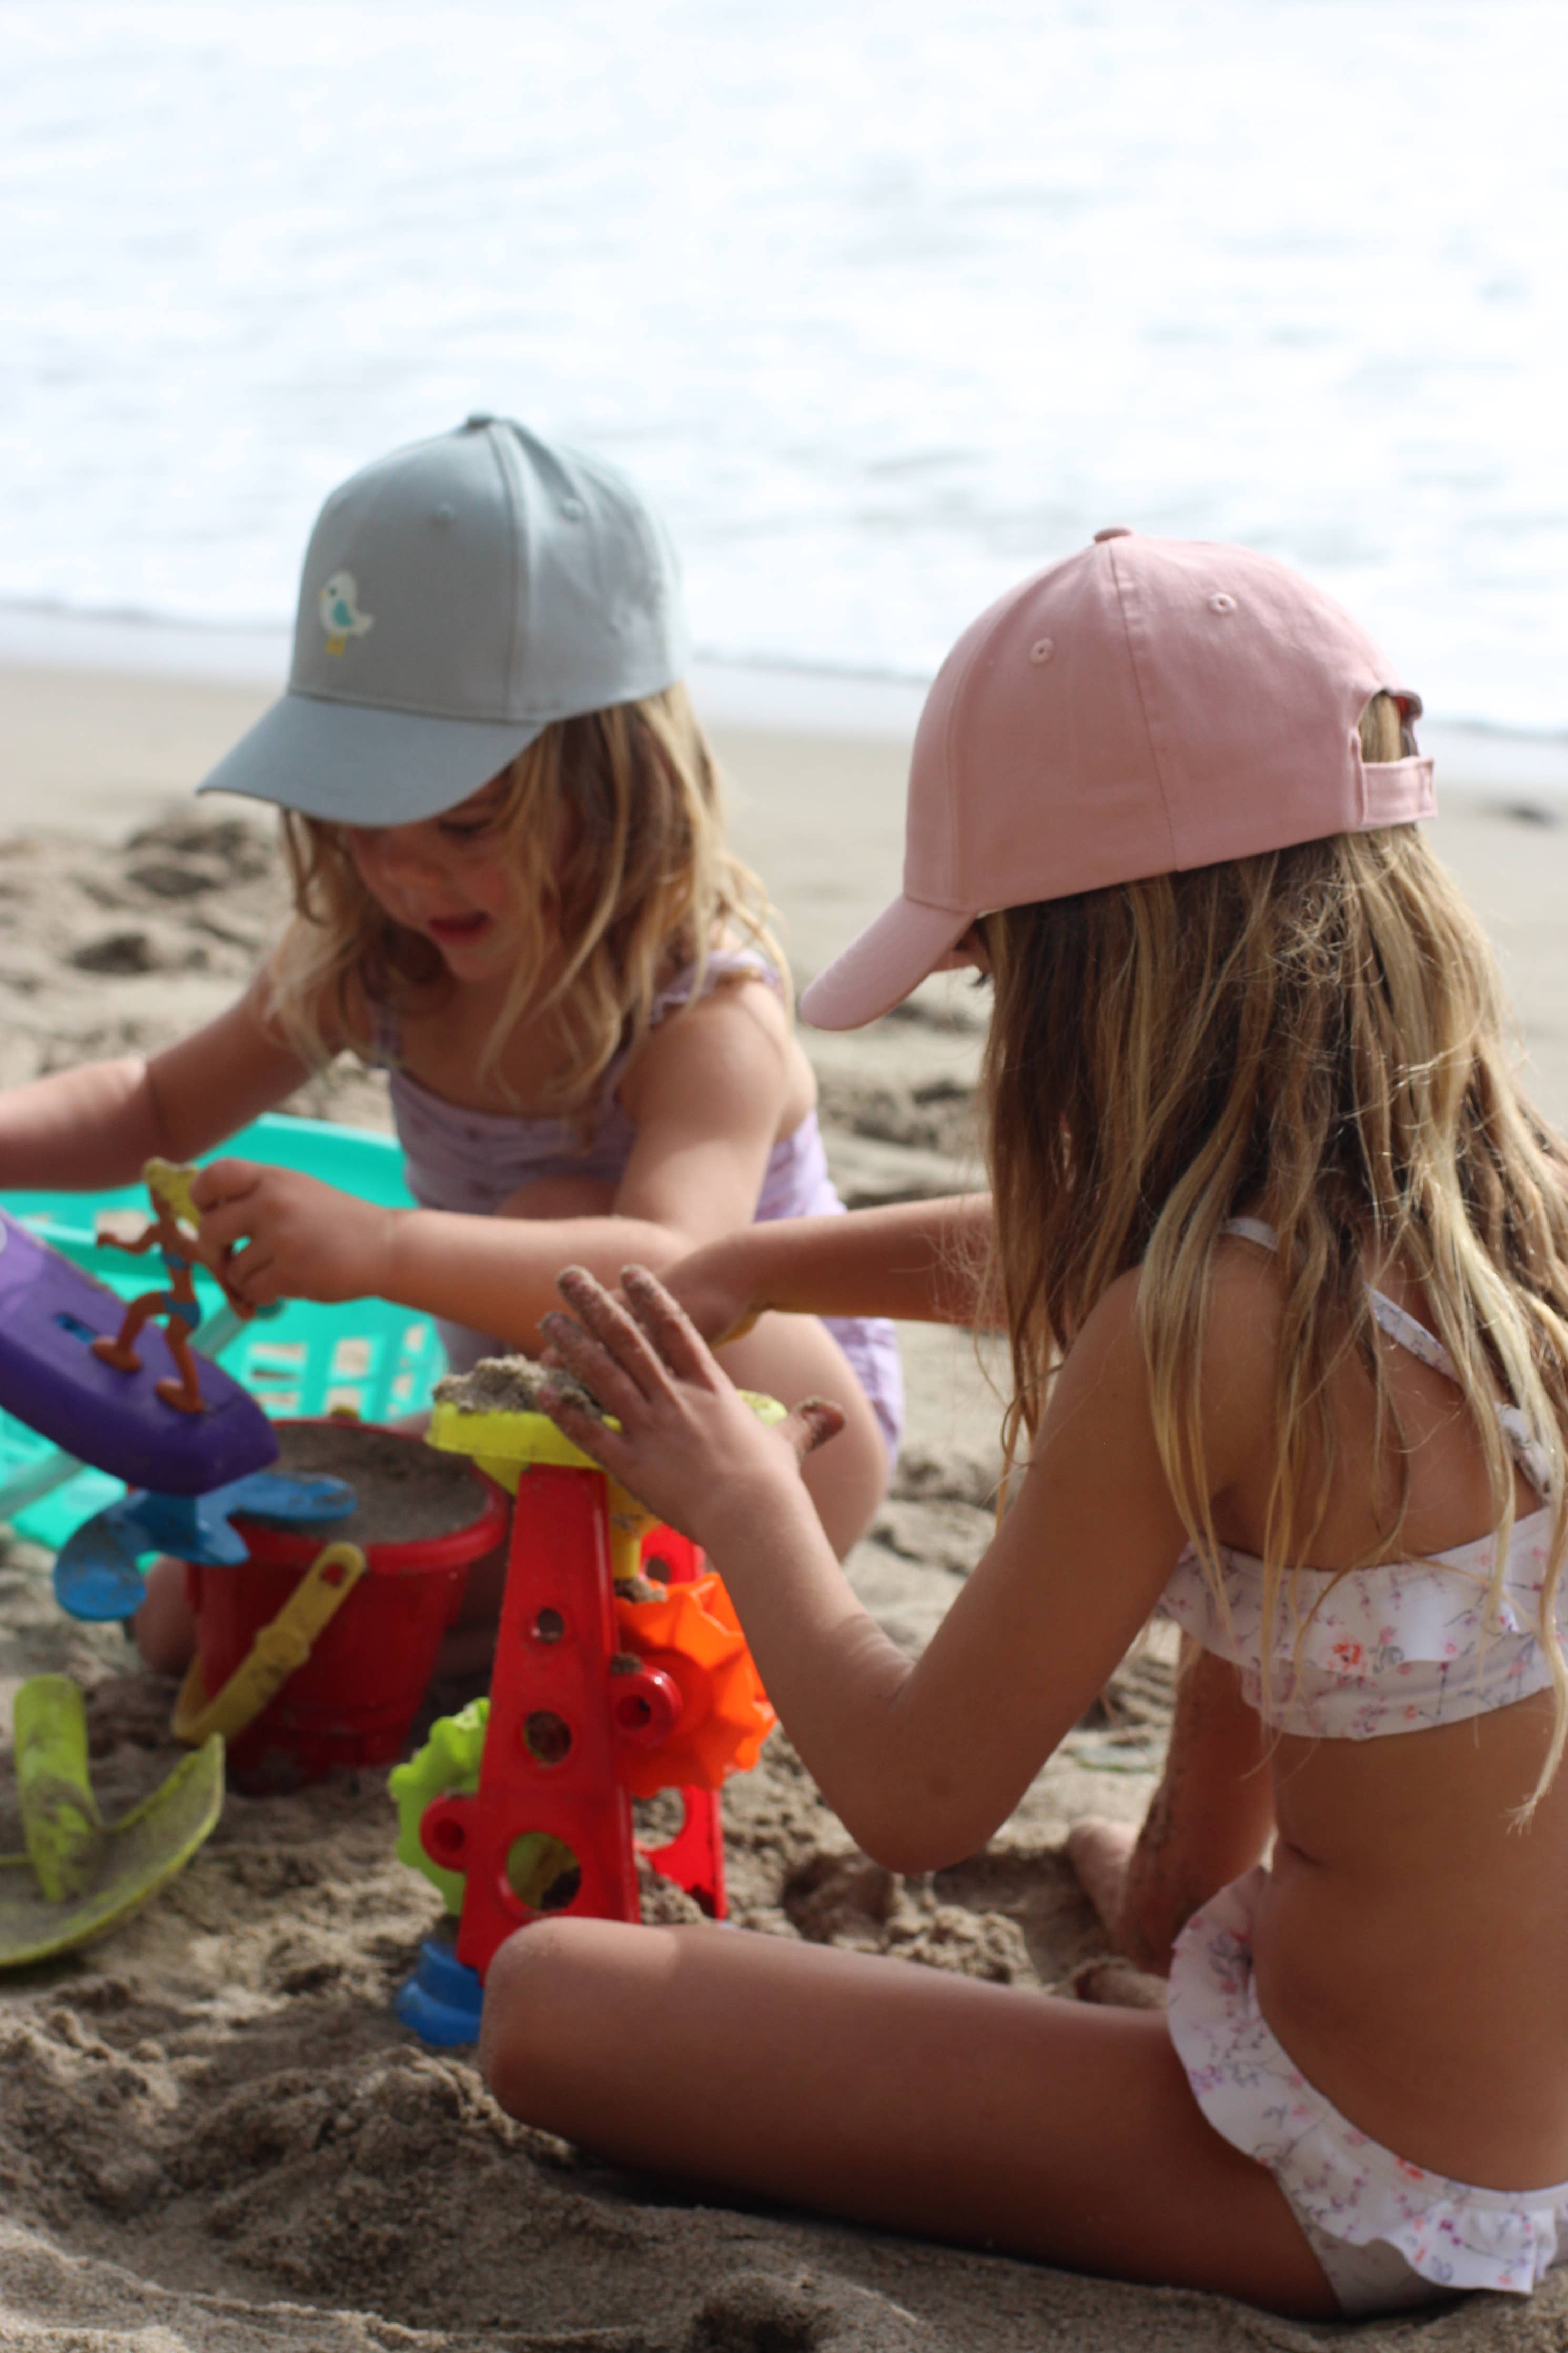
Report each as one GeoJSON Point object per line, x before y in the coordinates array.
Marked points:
{"type": "Point", "coordinates": [81, 1875]}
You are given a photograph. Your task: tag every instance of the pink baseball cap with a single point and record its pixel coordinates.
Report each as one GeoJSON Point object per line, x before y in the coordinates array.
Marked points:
{"type": "Point", "coordinates": [1146, 706]}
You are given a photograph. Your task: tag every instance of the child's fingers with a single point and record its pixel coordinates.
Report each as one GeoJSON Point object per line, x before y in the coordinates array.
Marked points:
{"type": "Point", "coordinates": [586, 1430]}
{"type": "Point", "coordinates": [613, 1329]}
{"type": "Point", "coordinates": [593, 1364]}
{"type": "Point", "coordinates": [223, 1226]}
{"type": "Point", "coordinates": [668, 1326]}
{"type": "Point", "coordinates": [251, 1273]}
{"type": "Point", "coordinates": [224, 1180]}
{"type": "Point", "coordinates": [812, 1423]}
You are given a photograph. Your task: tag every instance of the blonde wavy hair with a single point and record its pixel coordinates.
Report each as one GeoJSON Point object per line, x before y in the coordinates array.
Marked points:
{"type": "Point", "coordinates": [1318, 1038]}
{"type": "Point", "coordinates": [612, 827]}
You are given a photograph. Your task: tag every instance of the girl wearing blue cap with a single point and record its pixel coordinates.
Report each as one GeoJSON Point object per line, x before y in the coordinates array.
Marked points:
{"type": "Point", "coordinates": [511, 889]}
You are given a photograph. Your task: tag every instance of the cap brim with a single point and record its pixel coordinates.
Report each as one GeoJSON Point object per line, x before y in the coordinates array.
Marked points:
{"type": "Point", "coordinates": [356, 763]}
{"type": "Point", "coordinates": [907, 943]}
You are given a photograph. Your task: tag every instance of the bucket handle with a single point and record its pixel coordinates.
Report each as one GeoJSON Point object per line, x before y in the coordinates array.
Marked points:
{"type": "Point", "coordinates": [279, 1647]}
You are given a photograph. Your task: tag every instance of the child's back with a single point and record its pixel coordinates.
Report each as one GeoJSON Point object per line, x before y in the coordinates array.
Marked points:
{"type": "Point", "coordinates": [1411, 1939]}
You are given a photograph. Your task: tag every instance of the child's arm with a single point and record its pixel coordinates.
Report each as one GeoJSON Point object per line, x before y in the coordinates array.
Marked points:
{"type": "Point", "coordinates": [922, 1761]}
{"type": "Point", "coordinates": [707, 1095]}
{"type": "Point", "coordinates": [1210, 1819]}
{"type": "Point", "coordinates": [99, 1124]}
{"type": "Point", "coordinates": [918, 1261]}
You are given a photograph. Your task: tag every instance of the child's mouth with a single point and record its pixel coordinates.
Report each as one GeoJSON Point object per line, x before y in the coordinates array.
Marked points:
{"type": "Point", "coordinates": [456, 929]}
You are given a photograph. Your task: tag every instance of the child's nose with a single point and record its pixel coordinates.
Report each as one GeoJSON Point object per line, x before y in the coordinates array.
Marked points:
{"type": "Point", "coordinates": [408, 854]}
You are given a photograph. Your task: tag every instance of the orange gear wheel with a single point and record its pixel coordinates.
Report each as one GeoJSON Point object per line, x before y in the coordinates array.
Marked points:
{"type": "Point", "coordinates": [693, 1634]}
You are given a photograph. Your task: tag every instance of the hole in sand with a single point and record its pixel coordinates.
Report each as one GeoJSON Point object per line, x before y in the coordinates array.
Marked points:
{"type": "Point", "coordinates": [547, 1736]}
{"type": "Point", "coordinates": [542, 1872]}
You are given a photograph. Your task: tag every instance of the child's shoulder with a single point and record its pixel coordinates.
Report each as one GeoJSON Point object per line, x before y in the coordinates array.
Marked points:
{"type": "Point", "coordinates": [1238, 1356]}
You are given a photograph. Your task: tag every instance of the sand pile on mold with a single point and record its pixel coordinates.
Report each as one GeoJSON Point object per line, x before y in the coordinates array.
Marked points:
{"type": "Point", "coordinates": [512, 1385]}
{"type": "Point", "coordinates": [215, 2139]}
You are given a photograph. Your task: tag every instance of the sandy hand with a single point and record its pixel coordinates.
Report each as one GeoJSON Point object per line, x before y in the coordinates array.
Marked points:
{"type": "Point", "coordinates": [689, 1445]}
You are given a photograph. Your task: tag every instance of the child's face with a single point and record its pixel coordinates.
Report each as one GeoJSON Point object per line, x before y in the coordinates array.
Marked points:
{"type": "Point", "coordinates": [443, 878]}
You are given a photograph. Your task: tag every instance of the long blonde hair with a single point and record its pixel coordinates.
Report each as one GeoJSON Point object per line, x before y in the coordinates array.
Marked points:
{"type": "Point", "coordinates": [1317, 1037]}
{"type": "Point", "coordinates": [613, 827]}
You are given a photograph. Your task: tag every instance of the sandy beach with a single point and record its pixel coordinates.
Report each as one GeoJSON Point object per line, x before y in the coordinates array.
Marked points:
{"type": "Point", "coordinates": [214, 2136]}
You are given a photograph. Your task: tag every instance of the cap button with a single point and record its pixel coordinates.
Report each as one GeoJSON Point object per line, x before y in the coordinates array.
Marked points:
{"type": "Point", "coordinates": [476, 419]}
{"type": "Point", "coordinates": [1113, 531]}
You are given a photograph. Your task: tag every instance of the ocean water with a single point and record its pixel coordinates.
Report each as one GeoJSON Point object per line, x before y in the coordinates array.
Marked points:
{"type": "Point", "coordinates": [886, 304]}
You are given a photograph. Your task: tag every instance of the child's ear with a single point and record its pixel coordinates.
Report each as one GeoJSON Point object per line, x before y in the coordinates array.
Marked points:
{"type": "Point", "coordinates": [970, 949]}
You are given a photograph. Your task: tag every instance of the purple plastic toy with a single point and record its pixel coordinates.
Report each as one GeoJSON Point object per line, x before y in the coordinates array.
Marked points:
{"type": "Point", "coordinates": [50, 1312]}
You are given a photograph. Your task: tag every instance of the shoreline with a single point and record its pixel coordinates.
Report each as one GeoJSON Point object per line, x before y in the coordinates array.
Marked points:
{"type": "Point", "coordinates": [1478, 759]}
{"type": "Point", "coordinates": [98, 750]}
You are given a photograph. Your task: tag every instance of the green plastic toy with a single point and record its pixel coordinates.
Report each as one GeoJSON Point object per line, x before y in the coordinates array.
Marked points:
{"type": "Point", "coordinates": [81, 1875]}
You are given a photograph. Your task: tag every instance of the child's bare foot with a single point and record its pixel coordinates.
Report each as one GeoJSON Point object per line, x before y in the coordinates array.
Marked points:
{"type": "Point", "coordinates": [1117, 1985]}
{"type": "Point", "coordinates": [1099, 1852]}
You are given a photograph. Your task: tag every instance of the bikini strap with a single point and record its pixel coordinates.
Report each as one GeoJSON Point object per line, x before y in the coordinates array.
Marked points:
{"type": "Point", "coordinates": [1410, 1332]}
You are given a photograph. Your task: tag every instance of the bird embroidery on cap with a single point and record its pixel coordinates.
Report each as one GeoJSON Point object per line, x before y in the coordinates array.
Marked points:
{"type": "Point", "coordinates": [341, 617]}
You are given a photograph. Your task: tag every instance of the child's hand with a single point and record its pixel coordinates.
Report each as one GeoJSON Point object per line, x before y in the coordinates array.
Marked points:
{"type": "Point", "coordinates": [689, 1446]}
{"type": "Point", "coordinates": [713, 1286]}
{"type": "Point", "coordinates": [301, 1239]}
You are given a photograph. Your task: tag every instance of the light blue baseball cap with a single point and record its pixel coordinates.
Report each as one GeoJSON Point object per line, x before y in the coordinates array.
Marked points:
{"type": "Point", "coordinates": [458, 597]}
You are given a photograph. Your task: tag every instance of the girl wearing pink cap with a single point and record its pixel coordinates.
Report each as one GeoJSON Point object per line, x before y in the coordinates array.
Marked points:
{"type": "Point", "coordinates": [1282, 1252]}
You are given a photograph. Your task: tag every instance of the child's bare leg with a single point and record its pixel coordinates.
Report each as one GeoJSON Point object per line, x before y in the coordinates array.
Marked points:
{"type": "Point", "coordinates": [1209, 1820]}
{"type": "Point", "coordinates": [162, 1628]}
{"type": "Point", "coordinates": [894, 2094]}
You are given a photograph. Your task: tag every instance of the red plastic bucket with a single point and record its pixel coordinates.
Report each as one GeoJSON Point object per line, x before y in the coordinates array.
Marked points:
{"type": "Point", "coordinates": [353, 1701]}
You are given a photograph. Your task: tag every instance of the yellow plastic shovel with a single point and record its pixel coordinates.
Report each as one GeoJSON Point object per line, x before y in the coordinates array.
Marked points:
{"type": "Point", "coordinates": [79, 1874]}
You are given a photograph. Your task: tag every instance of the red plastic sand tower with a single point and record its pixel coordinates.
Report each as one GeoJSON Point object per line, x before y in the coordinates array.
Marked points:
{"type": "Point", "coordinates": [620, 1670]}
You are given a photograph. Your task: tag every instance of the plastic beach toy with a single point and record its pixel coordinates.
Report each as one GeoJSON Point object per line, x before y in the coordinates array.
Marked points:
{"type": "Point", "coordinates": [367, 1356]}
{"type": "Point", "coordinates": [97, 1570]}
{"type": "Point", "coordinates": [620, 1670]}
{"type": "Point", "coordinates": [50, 1314]}
{"type": "Point", "coordinates": [81, 1875]}
{"type": "Point", "coordinates": [350, 1695]}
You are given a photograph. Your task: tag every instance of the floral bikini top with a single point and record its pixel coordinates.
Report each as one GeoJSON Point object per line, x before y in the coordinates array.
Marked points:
{"type": "Point", "coordinates": [1396, 1648]}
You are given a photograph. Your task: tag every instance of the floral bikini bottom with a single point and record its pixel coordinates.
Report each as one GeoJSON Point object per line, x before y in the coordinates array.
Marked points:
{"type": "Point", "coordinates": [1388, 2234]}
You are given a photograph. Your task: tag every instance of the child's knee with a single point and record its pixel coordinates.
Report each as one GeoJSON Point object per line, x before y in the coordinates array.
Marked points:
{"type": "Point", "coordinates": [565, 2000]}
{"type": "Point", "coordinates": [162, 1628]}
{"type": "Point", "coordinates": [534, 1992]}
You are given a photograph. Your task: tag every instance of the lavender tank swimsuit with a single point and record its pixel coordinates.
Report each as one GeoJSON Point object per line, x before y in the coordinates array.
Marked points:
{"type": "Point", "coordinates": [471, 1161]}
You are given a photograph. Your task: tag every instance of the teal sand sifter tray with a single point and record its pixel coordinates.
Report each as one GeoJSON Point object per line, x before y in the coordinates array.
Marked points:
{"type": "Point", "coordinates": [365, 1356]}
